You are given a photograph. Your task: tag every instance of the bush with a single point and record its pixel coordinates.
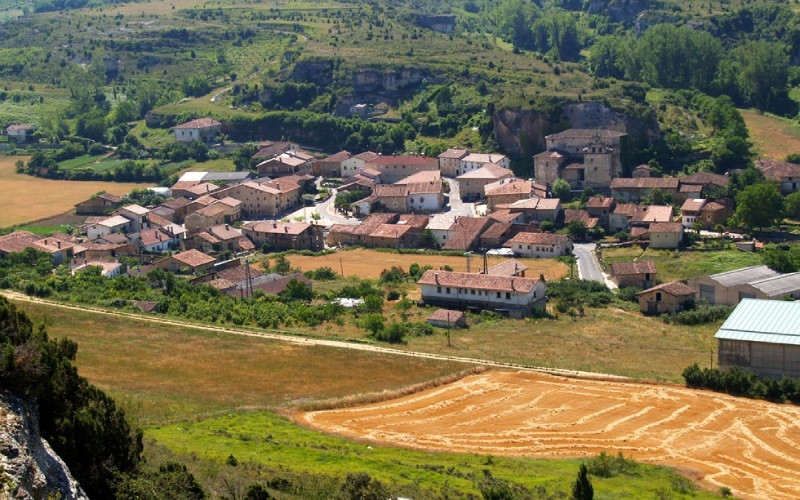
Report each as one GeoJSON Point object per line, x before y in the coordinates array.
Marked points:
{"type": "Point", "coordinates": [392, 295]}
{"type": "Point", "coordinates": [629, 294]}
{"type": "Point", "coordinates": [322, 274]}
{"type": "Point", "coordinates": [394, 275]}
{"type": "Point", "coordinates": [739, 382]}
{"type": "Point", "coordinates": [573, 293]}
{"type": "Point", "coordinates": [700, 315]}
{"type": "Point", "coordinates": [394, 333]}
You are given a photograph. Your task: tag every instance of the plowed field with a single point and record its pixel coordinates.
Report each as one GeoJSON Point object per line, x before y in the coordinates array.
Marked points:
{"type": "Point", "coordinates": [752, 447]}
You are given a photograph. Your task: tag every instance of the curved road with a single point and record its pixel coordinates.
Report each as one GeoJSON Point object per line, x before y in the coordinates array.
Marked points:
{"type": "Point", "coordinates": [295, 338]}
{"type": "Point", "coordinates": [588, 265]}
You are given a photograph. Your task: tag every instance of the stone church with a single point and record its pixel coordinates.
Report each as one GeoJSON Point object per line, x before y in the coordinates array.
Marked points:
{"type": "Point", "coordinates": [582, 157]}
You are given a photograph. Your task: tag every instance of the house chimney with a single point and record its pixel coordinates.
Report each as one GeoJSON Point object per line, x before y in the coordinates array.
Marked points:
{"type": "Point", "coordinates": [436, 277]}
{"type": "Point", "coordinates": [285, 229]}
{"type": "Point", "coordinates": [513, 289]}
{"type": "Point", "coordinates": [59, 245]}
{"type": "Point", "coordinates": [226, 227]}
{"type": "Point", "coordinates": [541, 277]}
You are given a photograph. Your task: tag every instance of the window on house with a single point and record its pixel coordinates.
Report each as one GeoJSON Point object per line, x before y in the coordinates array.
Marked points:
{"type": "Point", "coordinates": [472, 292]}
{"type": "Point", "coordinates": [658, 296]}
{"type": "Point", "coordinates": [508, 295]}
{"type": "Point", "coordinates": [447, 290]}
{"type": "Point", "coordinates": [438, 289]}
{"type": "Point", "coordinates": [498, 295]}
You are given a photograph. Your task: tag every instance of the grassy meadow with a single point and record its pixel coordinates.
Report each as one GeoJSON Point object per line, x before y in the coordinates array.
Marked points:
{"type": "Point", "coordinates": [26, 198]}
{"type": "Point", "coordinates": [203, 397]}
{"type": "Point", "coordinates": [773, 136]}
{"type": "Point", "coordinates": [682, 265]}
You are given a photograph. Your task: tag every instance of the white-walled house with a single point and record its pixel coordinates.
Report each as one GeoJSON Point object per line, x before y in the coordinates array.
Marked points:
{"type": "Point", "coordinates": [136, 214]}
{"type": "Point", "coordinates": [540, 245]}
{"type": "Point", "coordinates": [357, 163]}
{"type": "Point", "coordinates": [202, 129]}
{"type": "Point", "coordinates": [511, 295]}
{"type": "Point", "coordinates": [115, 224]}
{"type": "Point", "coordinates": [474, 161]}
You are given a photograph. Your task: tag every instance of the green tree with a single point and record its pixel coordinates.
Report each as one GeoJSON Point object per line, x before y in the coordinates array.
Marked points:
{"type": "Point", "coordinates": [582, 489]}
{"type": "Point", "coordinates": [577, 230]}
{"type": "Point", "coordinates": [172, 480]}
{"type": "Point", "coordinates": [361, 486]}
{"type": "Point", "coordinates": [562, 190]}
{"type": "Point", "coordinates": [282, 265]}
{"type": "Point", "coordinates": [792, 205]}
{"type": "Point", "coordinates": [427, 239]}
{"type": "Point", "coordinates": [374, 323]}
{"type": "Point", "coordinates": [759, 205]}
{"type": "Point", "coordinates": [763, 74]}
{"type": "Point", "coordinates": [297, 290]}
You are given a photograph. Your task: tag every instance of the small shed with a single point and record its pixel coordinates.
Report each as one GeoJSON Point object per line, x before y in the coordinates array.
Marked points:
{"type": "Point", "coordinates": [447, 318]}
{"type": "Point", "coordinates": [762, 336]}
{"type": "Point", "coordinates": [639, 273]}
{"type": "Point", "coordinates": [669, 297]}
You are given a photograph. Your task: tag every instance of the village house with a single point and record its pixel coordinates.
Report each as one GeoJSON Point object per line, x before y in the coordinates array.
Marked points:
{"type": "Point", "coordinates": [330, 166]}
{"type": "Point", "coordinates": [761, 336]}
{"type": "Point", "coordinates": [191, 261]}
{"type": "Point", "coordinates": [509, 295]}
{"type": "Point", "coordinates": [267, 199]}
{"type": "Point", "coordinates": [59, 249]}
{"type": "Point", "coordinates": [498, 233]}
{"type": "Point", "coordinates": [540, 245]}
{"type": "Point", "coordinates": [201, 129]}
{"type": "Point", "coordinates": [395, 168]}
{"type": "Point", "coordinates": [755, 282]}
{"type": "Point", "coordinates": [420, 192]}
{"type": "Point", "coordinates": [439, 225]}
{"type": "Point", "coordinates": [159, 240]}
{"type": "Point", "coordinates": [643, 170]}
{"type": "Point", "coordinates": [630, 189]}
{"type": "Point", "coordinates": [447, 318]}
{"type": "Point", "coordinates": [625, 216]}
{"type": "Point", "coordinates": [450, 161]}
{"type": "Point", "coordinates": [786, 175]}
{"type": "Point", "coordinates": [346, 234]}
{"type": "Point", "coordinates": [465, 233]}
{"type": "Point", "coordinates": [637, 274]}
{"type": "Point", "coordinates": [471, 184]}
{"type": "Point", "coordinates": [281, 236]}
{"type": "Point", "coordinates": [581, 216]}
{"type": "Point", "coordinates": [474, 161]}
{"type": "Point", "coordinates": [507, 191]}
{"type": "Point", "coordinates": [666, 298]}
{"type": "Point", "coordinates": [136, 214]}
{"type": "Point", "coordinates": [99, 204]}
{"type": "Point", "coordinates": [224, 211]}
{"type": "Point", "coordinates": [601, 208]}
{"type": "Point", "coordinates": [109, 225]}
{"type": "Point", "coordinates": [380, 231]}
{"type": "Point", "coordinates": [708, 213]}
{"type": "Point", "coordinates": [536, 209]}
{"type": "Point", "coordinates": [221, 238]}
{"type": "Point", "coordinates": [289, 163]}
{"type": "Point", "coordinates": [353, 165]}
{"type": "Point", "coordinates": [192, 189]}
{"type": "Point", "coordinates": [707, 182]}
{"type": "Point", "coordinates": [665, 234]}
{"type": "Point", "coordinates": [270, 149]}
{"type": "Point", "coordinates": [582, 157]}
{"type": "Point", "coordinates": [20, 132]}
{"type": "Point", "coordinates": [217, 178]}
{"type": "Point", "coordinates": [110, 268]}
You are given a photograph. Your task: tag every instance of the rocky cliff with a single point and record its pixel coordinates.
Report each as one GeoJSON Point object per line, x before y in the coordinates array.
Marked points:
{"type": "Point", "coordinates": [29, 468]}
{"type": "Point", "coordinates": [522, 132]}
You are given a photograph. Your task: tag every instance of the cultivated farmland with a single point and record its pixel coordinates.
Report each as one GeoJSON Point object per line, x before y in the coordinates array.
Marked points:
{"type": "Point", "coordinates": [370, 263]}
{"type": "Point", "coordinates": [773, 136]}
{"type": "Point", "coordinates": [749, 446]}
{"type": "Point", "coordinates": [25, 198]}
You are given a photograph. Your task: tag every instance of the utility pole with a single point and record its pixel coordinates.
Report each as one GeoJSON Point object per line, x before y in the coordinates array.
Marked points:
{"type": "Point", "coordinates": [341, 267]}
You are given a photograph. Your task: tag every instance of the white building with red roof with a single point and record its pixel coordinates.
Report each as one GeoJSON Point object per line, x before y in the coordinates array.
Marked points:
{"type": "Point", "coordinates": [201, 129]}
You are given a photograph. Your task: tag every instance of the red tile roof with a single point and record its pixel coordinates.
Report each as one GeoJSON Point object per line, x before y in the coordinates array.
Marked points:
{"type": "Point", "coordinates": [199, 123]}
{"type": "Point", "coordinates": [665, 227]}
{"type": "Point", "coordinates": [633, 267]}
{"type": "Point", "coordinates": [580, 216]}
{"type": "Point", "coordinates": [600, 202]}
{"type": "Point", "coordinates": [403, 160]}
{"type": "Point", "coordinates": [454, 154]}
{"type": "Point", "coordinates": [676, 288]}
{"type": "Point", "coordinates": [539, 239]}
{"type": "Point", "coordinates": [446, 316]}
{"type": "Point", "coordinates": [194, 258]}
{"type": "Point", "coordinates": [777, 170]}
{"type": "Point", "coordinates": [482, 281]}
{"type": "Point", "coordinates": [645, 183]}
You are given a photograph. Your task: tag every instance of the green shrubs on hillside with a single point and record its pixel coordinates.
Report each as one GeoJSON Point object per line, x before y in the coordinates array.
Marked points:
{"type": "Point", "coordinates": [700, 315]}
{"type": "Point", "coordinates": [739, 382]}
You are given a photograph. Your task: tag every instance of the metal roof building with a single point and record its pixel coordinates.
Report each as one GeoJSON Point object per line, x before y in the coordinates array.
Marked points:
{"type": "Point", "coordinates": [730, 287]}
{"type": "Point", "coordinates": [762, 336]}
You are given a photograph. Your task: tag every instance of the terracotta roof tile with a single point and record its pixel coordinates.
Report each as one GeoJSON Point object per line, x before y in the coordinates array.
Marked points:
{"type": "Point", "coordinates": [676, 288]}
{"type": "Point", "coordinates": [538, 239]}
{"type": "Point", "coordinates": [199, 123]}
{"type": "Point", "coordinates": [482, 281]}
{"type": "Point", "coordinates": [633, 267]}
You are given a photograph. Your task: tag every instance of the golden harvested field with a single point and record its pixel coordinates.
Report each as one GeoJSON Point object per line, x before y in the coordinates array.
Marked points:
{"type": "Point", "coordinates": [749, 446]}
{"type": "Point", "coordinates": [370, 263]}
{"type": "Point", "coordinates": [163, 373]}
{"type": "Point", "coordinates": [24, 198]}
{"type": "Point", "coordinates": [774, 137]}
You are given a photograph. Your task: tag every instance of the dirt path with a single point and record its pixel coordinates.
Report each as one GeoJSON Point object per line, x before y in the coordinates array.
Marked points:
{"type": "Point", "coordinates": [752, 447]}
{"type": "Point", "coordinates": [296, 338]}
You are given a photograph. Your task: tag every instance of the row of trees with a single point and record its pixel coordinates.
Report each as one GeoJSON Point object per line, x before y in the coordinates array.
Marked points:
{"type": "Point", "coordinates": [754, 73]}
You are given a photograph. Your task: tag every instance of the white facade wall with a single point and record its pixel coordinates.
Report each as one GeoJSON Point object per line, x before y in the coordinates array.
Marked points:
{"type": "Point", "coordinates": [187, 134]}
{"type": "Point", "coordinates": [688, 220]}
{"type": "Point", "coordinates": [483, 298]}
{"type": "Point", "coordinates": [541, 250]}
{"type": "Point", "coordinates": [665, 240]}
{"type": "Point", "coordinates": [352, 166]}
{"type": "Point", "coordinates": [427, 202]}
{"type": "Point", "coordinates": [98, 230]}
